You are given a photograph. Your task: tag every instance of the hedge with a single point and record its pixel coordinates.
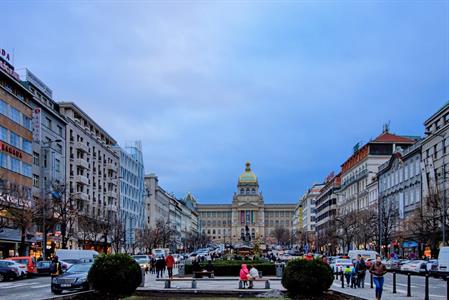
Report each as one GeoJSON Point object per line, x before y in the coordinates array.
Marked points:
{"type": "Point", "coordinates": [232, 268]}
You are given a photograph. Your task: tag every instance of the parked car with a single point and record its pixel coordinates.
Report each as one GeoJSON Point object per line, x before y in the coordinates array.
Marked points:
{"type": "Point", "coordinates": [415, 266]}
{"type": "Point", "coordinates": [392, 264]}
{"type": "Point", "coordinates": [432, 266]}
{"type": "Point", "coordinates": [67, 263]}
{"type": "Point", "coordinates": [75, 278]}
{"type": "Point", "coordinates": [8, 270]}
{"type": "Point", "coordinates": [143, 261]}
{"type": "Point", "coordinates": [43, 267]}
{"type": "Point", "coordinates": [28, 261]}
{"type": "Point", "coordinates": [22, 269]}
{"type": "Point", "coordinates": [338, 264]}
{"type": "Point", "coordinates": [66, 254]}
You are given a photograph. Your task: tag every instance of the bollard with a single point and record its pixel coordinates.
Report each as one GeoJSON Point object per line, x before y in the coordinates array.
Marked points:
{"type": "Point", "coordinates": [426, 292]}
{"type": "Point", "coordinates": [371, 279]}
{"type": "Point", "coordinates": [342, 281]}
{"type": "Point", "coordinates": [142, 282]}
{"type": "Point", "coordinates": [193, 284]}
{"type": "Point", "coordinates": [267, 284]}
{"type": "Point", "coordinates": [394, 282]}
{"type": "Point", "coordinates": [409, 288]}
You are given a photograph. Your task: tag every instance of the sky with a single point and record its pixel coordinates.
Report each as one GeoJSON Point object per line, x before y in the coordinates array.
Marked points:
{"type": "Point", "coordinates": [290, 86]}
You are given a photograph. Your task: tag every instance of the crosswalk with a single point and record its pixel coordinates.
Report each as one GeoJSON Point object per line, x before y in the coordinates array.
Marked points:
{"type": "Point", "coordinates": [15, 284]}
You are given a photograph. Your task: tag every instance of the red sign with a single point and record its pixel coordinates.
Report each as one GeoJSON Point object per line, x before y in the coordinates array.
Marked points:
{"type": "Point", "coordinates": [4, 55]}
{"type": "Point", "coordinates": [11, 150]}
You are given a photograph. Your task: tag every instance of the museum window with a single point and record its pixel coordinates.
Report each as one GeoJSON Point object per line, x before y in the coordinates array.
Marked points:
{"type": "Point", "coordinates": [242, 191]}
{"type": "Point", "coordinates": [247, 191]}
{"type": "Point", "coordinates": [253, 190]}
{"type": "Point", "coordinates": [213, 231]}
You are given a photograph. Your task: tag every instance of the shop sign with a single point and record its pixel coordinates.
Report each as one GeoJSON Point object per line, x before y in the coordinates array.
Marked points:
{"type": "Point", "coordinates": [33, 79]}
{"type": "Point", "coordinates": [36, 125]}
{"type": "Point", "coordinates": [5, 64]}
{"type": "Point", "coordinates": [11, 150]}
{"type": "Point", "coordinates": [409, 244]}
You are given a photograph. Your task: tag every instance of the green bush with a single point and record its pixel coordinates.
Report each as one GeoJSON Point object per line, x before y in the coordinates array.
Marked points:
{"type": "Point", "coordinates": [306, 278]}
{"type": "Point", "coordinates": [232, 267]}
{"type": "Point", "coordinates": [115, 275]}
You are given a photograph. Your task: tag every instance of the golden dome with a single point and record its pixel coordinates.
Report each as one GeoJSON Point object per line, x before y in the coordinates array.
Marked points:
{"type": "Point", "coordinates": [248, 176]}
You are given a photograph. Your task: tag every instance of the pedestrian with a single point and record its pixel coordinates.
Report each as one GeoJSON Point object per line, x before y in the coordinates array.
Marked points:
{"type": "Point", "coordinates": [160, 265]}
{"type": "Point", "coordinates": [55, 267]}
{"type": "Point", "coordinates": [170, 262]}
{"type": "Point", "coordinates": [210, 268]}
{"type": "Point", "coordinates": [347, 271]}
{"type": "Point", "coordinates": [244, 275]}
{"type": "Point", "coordinates": [254, 273]}
{"type": "Point", "coordinates": [361, 271]}
{"type": "Point", "coordinates": [353, 277]}
{"type": "Point", "coordinates": [153, 265]}
{"type": "Point", "coordinates": [378, 270]}
{"type": "Point", "coordinates": [324, 259]}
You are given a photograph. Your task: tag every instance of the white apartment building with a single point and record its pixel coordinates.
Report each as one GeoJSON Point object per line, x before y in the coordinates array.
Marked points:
{"type": "Point", "coordinates": [92, 166]}
{"type": "Point", "coordinates": [308, 204]}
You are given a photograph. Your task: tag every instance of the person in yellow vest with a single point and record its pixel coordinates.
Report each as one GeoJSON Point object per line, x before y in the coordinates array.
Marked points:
{"type": "Point", "coordinates": [55, 267]}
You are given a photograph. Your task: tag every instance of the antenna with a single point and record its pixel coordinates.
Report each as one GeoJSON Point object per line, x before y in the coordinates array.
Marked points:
{"type": "Point", "coordinates": [386, 127]}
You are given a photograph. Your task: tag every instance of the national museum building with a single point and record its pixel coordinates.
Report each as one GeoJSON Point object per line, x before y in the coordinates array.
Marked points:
{"type": "Point", "coordinates": [226, 223]}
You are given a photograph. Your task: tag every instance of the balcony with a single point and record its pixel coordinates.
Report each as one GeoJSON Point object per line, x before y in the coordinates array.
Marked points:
{"type": "Point", "coordinates": [80, 196]}
{"type": "Point", "coordinates": [82, 163]}
{"type": "Point", "coordinates": [82, 179]}
{"type": "Point", "coordinates": [82, 147]}
{"type": "Point", "coordinates": [110, 166]}
{"type": "Point", "coordinates": [113, 181]}
{"type": "Point", "coordinates": [113, 208]}
{"type": "Point", "coordinates": [111, 194]}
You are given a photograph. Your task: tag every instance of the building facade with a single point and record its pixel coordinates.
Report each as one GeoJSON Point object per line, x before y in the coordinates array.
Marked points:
{"type": "Point", "coordinates": [157, 201]}
{"type": "Point", "coordinates": [91, 170]}
{"type": "Point", "coordinates": [229, 223]}
{"type": "Point", "coordinates": [326, 210]}
{"type": "Point", "coordinates": [308, 204]}
{"type": "Point", "coordinates": [359, 170]}
{"type": "Point", "coordinates": [399, 194]}
{"type": "Point", "coordinates": [132, 191]}
{"type": "Point", "coordinates": [49, 142]}
{"type": "Point", "coordinates": [16, 158]}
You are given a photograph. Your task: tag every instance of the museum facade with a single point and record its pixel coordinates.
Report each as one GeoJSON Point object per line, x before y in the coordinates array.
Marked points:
{"type": "Point", "coordinates": [228, 223]}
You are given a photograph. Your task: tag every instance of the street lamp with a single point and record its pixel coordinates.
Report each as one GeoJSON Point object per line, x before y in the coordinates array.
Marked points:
{"type": "Point", "coordinates": [443, 224]}
{"type": "Point", "coordinates": [45, 145]}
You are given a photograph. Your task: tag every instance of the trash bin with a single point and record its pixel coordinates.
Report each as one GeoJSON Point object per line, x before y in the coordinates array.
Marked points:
{"type": "Point", "coordinates": [142, 283]}
{"type": "Point", "coordinates": [279, 269]}
{"type": "Point", "coordinates": [181, 270]}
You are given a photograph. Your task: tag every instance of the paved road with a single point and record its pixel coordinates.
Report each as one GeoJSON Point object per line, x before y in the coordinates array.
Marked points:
{"type": "Point", "coordinates": [437, 288]}
{"type": "Point", "coordinates": [24, 289]}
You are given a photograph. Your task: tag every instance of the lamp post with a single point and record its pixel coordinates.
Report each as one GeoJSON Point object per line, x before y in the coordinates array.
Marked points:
{"type": "Point", "coordinates": [45, 145]}
{"type": "Point", "coordinates": [443, 223]}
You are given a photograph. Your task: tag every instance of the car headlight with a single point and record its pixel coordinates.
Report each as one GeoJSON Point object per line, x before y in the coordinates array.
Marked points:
{"type": "Point", "coordinates": [55, 280]}
{"type": "Point", "coordinates": [81, 279]}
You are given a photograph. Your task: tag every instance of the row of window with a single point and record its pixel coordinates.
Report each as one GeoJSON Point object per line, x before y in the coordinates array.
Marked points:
{"type": "Point", "coordinates": [404, 172]}
{"type": "Point", "coordinates": [14, 114]}
{"type": "Point", "coordinates": [14, 164]}
{"type": "Point", "coordinates": [15, 140]}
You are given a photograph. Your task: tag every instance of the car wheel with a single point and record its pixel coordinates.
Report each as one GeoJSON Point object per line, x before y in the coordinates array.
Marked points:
{"type": "Point", "coordinates": [2, 277]}
{"type": "Point", "coordinates": [56, 292]}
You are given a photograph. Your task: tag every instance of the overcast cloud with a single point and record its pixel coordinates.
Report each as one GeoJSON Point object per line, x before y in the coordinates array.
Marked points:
{"type": "Point", "coordinates": [206, 86]}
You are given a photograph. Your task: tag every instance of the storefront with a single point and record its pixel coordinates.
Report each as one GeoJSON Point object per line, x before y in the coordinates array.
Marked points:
{"type": "Point", "coordinates": [10, 242]}
{"type": "Point", "coordinates": [410, 249]}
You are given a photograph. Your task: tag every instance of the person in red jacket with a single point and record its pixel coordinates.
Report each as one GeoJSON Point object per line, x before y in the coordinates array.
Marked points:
{"type": "Point", "coordinates": [170, 262]}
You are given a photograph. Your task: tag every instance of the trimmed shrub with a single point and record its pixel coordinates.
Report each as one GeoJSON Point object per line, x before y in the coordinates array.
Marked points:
{"type": "Point", "coordinates": [232, 267]}
{"type": "Point", "coordinates": [306, 278]}
{"type": "Point", "coordinates": [115, 275]}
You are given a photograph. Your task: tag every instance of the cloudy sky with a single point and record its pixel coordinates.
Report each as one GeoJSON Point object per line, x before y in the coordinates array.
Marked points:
{"type": "Point", "coordinates": [207, 85]}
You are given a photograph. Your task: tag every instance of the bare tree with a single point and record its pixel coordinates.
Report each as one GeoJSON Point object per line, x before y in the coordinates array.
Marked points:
{"type": "Point", "coordinates": [388, 221]}
{"type": "Point", "coordinates": [16, 202]}
{"type": "Point", "coordinates": [117, 234]}
{"type": "Point", "coordinates": [281, 234]}
{"type": "Point", "coordinates": [346, 224]}
{"type": "Point", "coordinates": [366, 227]}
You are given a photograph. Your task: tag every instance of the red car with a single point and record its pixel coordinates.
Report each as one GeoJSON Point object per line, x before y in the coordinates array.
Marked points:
{"type": "Point", "coordinates": [28, 261]}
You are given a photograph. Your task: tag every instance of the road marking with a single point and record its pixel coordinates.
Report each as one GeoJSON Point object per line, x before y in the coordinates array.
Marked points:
{"type": "Point", "coordinates": [18, 285]}
{"type": "Point", "coordinates": [40, 286]}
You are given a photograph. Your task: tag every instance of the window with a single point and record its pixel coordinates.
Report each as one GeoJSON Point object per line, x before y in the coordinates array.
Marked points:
{"type": "Point", "coordinates": [36, 158]}
{"type": "Point", "coordinates": [26, 122]}
{"type": "Point", "coordinates": [59, 148]}
{"type": "Point", "coordinates": [36, 181]}
{"type": "Point", "coordinates": [3, 134]}
{"type": "Point", "coordinates": [59, 130]}
{"type": "Point", "coordinates": [3, 160]}
{"type": "Point", "coordinates": [48, 122]}
{"type": "Point", "coordinates": [16, 116]}
{"type": "Point", "coordinates": [26, 146]}
{"type": "Point", "coordinates": [15, 165]}
{"type": "Point", "coordinates": [3, 108]}
{"type": "Point", "coordinates": [57, 165]}
{"type": "Point", "coordinates": [14, 139]}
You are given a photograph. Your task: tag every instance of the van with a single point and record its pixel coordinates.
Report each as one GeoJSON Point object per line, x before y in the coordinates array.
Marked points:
{"type": "Point", "coordinates": [443, 261]}
{"type": "Point", "coordinates": [366, 254]}
{"type": "Point", "coordinates": [28, 261]}
{"type": "Point", "coordinates": [86, 255]}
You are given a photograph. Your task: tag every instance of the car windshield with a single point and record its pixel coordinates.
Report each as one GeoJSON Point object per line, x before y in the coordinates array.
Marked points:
{"type": "Point", "coordinates": [43, 263]}
{"type": "Point", "coordinates": [21, 261]}
{"type": "Point", "coordinates": [71, 261]}
{"type": "Point", "coordinates": [6, 263]}
{"type": "Point", "coordinates": [79, 268]}
{"type": "Point", "coordinates": [343, 261]}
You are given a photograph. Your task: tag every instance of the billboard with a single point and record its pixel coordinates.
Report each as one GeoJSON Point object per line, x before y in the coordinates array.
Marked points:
{"type": "Point", "coordinates": [34, 80]}
{"type": "Point", "coordinates": [36, 125]}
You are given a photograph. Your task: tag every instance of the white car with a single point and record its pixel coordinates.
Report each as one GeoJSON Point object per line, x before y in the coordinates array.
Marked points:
{"type": "Point", "coordinates": [339, 264]}
{"type": "Point", "coordinates": [143, 261]}
{"type": "Point", "coordinates": [22, 269]}
{"type": "Point", "coordinates": [415, 266]}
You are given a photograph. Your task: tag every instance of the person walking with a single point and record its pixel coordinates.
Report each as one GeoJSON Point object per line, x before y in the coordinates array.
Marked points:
{"type": "Point", "coordinates": [361, 271]}
{"type": "Point", "coordinates": [348, 272]}
{"type": "Point", "coordinates": [55, 267]}
{"type": "Point", "coordinates": [378, 270]}
{"type": "Point", "coordinates": [170, 262]}
{"type": "Point", "coordinates": [160, 265]}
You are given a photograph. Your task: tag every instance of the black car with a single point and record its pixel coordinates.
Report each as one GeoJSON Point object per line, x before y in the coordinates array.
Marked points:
{"type": "Point", "coordinates": [7, 271]}
{"type": "Point", "coordinates": [75, 278]}
{"type": "Point", "coordinates": [43, 267]}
